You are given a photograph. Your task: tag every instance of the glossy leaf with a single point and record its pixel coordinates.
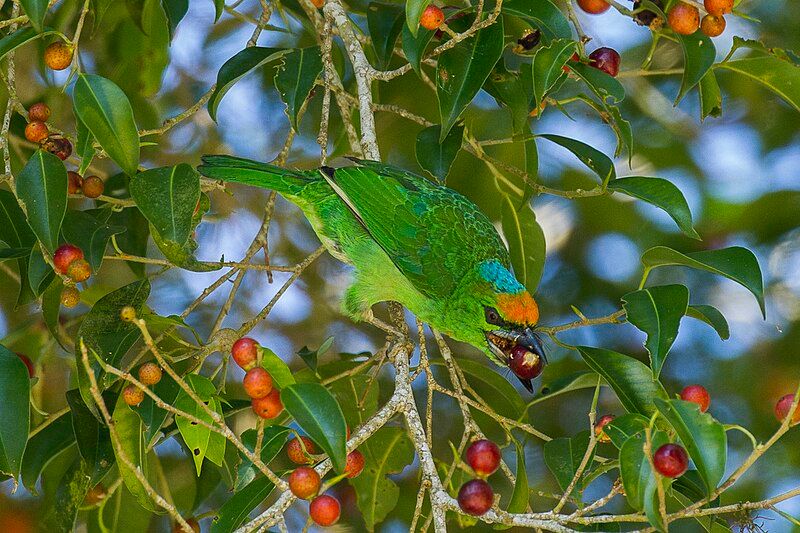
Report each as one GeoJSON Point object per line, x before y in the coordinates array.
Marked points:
{"type": "Point", "coordinates": [598, 162]}
{"type": "Point", "coordinates": [295, 78]}
{"type": "Point", "coordinates": [388, 451]}
{"type": "Point", "coordinates": [105, 110]}
{"type": "Point", "coordinates": [236, 67]}
{"type": "Point", "coordinates": [61, 514]}
{"type": "Point", "coordinates": [632, 380]}
{"type": "Point", "coordinates": [271, 444]}
{"type": "Point", "coordinates": [237, 508]}
{"type": "Point", "coordinates": [131, 443]}
{"type": "Point", "coordinates": [40, 273]}
{"type": "Point", "coordinates": [710, 96]}
{"type": "Point", "coordinates": [358, 397]}
{"type": "Point", "coordinates": [154, 416]}
{"type": "Point", "coordinates": [638, 478]}
{"type": "Point", "coordinates": [15, 389]}
{"type": "Point", "coordinates": [182, 255]}
{"type": "Point", "coordinates": [167, 197]}
{"type": "Point", "coordinates": [524, 156]}
{"type": "Point", "coordinates": [90, 231]}
{"type": "Point", "coordinates": [437, 157]}
{"type": "Point", "coordinates": [519, 497]}
{"type": "Point", "coordinates": [414, 46]}
{"type": "Point", "coordinates": [36, 10]}
{"type": "Point", "coordinates": [583, 379]}
{"type": "Point", "coordinates": [463, 69]}
{"type": "Point", "coordinates": [384, 21]}
{"type": "Point", "coordinates": [175, 11]}
{"type": "Point", "coordinates": [735, 263]}
{"type": "Point", "coordinates": [92, 437]}
{"type": "Point", "coordinates": [624, 427]}
{"type": "Point", "coordinates": [547, 67]}
{"type": "Point", "coordinates": [509, 90]}
{"type": "Point", "coordinates": [563, 456]}
{"type": "Point", "coordinates": [14, 40]}
{"type": "Point", "coordinates": [606, 87]}
{"type": "Point", "coordinates": [711, 316]}
{"type": "Point", "coordinates": [662, 194]}
{"type": "Point", "coordinates": [777, 75]}
{"type": "Point", "coordinates": [526, 244]}
{"type": "Point", "coordinates": [316, 411]}
{"type": "Point", "coordinates": [84, 146]}
{"type": "Point", "coordinates": [46, 442]}
{"type": "Point", "coordinates": [277, 368]}
{"type": "Point", "coordinates": [543, 14]}
{"type": "Point", "coordinates": [704, 438]}
{"type": "Point", "coordinates": [201, 441]}
{"type": "Point", "coordinates": [698, 57]}
{"type": "Point", "coordinates": [657, 311]}
{"type": "Point", "coordinates": [15, 232]}
{"type": "Point", "coordinates": [42, 187]}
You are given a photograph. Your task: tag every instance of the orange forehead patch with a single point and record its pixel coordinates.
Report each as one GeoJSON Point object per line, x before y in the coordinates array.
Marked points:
{"type": "Point", "coordinates": [519, 308]}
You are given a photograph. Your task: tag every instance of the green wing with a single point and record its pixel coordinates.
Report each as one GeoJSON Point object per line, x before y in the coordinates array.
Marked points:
{"type": "Point", "coordinates": [433, 234]}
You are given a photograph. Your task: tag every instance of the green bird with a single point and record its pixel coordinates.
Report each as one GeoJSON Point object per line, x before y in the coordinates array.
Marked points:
{"type": "Point", "coordinates": [414, 242]}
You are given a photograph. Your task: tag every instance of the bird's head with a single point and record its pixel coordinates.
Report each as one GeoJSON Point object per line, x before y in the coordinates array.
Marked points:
{"type": "Point", "coordinates": [499, 316]}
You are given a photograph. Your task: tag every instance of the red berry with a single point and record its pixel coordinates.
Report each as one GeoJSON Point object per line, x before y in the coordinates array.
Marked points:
{"type": "Point", "coordinates": [304, 482]}
{"type": "Point", "coordinates": [599, 431]}
{"type": "Point", "coordinates": [475, 497]}
{"type": "Point", "coordinates": [27, 361]}
{"type": "Point", "coordinates": [671, 460]}
{"type": "Point", "coordinates": [595, 7]}
{"type": "Point", "coordinates": [65, 255]}
{"type": "Point", "coordinates": [149, 373]}
{"type": "Point", "coordinates": [484, 457]}
{"type": "Point", "coordinates": [325, 510]}
{"type": "Point", "coordinates": [58, 55]}
{"type": "Point", "coordinates": [718, 7]}
{"type": "Point", "coordinates": [70, 296]}
{"type": "Point", "coordinates": [782, 409]}
{"type": "Point", "coordinates": [355, 464]}
{"type": "Point", "coordinates": [133, 395]}
{"type": "Point", "coordinates": [605, 59]}
{"type": "Point", "coordinates": [74, 182]}
{"type": "Point", "coordinates": [79, 270]}
{"type": "Point", "coordinates": [245, 352]}
{"type": "Point", "coordinates": [713, 26]}
{"type": "Point", "coordinates": [257, 382]}
{"type": "Point", "coordinates": [524, 363]}
{"type": "Point", "coordinates": [39, 111]}
{"type": "Point", "coordinates": [36, 131]}
{"type": "Point", "coordinates": [295, 450]}
{"type": "Point", "coordinates": [92, 187]}
{"type": "Point", "coordinates": [58, 146]}
{"type": "Point", "coordinates": [697, 394]}
{"type": "Point", "coordinates": [684, 19]}
{"type": "Point", "coordinates": [269, 406]}
{"type": "Point", "coordinates": [431, 18]}
{"type": "Point", "coordinates": [318, 3]}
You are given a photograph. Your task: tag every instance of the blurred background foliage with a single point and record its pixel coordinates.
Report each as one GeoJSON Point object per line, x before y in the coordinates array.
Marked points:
{"type": "Point", "coordinates": [740, 174]}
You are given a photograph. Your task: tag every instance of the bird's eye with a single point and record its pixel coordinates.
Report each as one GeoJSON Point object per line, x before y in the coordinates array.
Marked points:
{"type": "Point", "coordinates": [492, 316]}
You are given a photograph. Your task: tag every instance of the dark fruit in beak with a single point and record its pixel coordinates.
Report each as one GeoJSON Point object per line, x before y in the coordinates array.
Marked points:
{"type": "Point", "coordinates": [524, 363]}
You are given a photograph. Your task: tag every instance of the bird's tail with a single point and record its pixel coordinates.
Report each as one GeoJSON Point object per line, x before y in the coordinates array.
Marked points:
{"type": "Point", "coordinates": [239, 170]}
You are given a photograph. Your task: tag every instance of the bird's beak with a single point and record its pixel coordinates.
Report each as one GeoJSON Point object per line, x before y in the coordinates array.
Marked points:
{"type": "Point", "coordinates": [532, 342]}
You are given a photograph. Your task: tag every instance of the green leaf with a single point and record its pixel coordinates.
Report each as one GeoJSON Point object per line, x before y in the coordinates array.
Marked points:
{"type": "Point", "coordinates": [74, 484]}
{"type": "Point", "coordinates": [271, 444]}
{"type": "Point", "coordinates": [698, 57]}
{"type": "Point", "coordinates": [597, 161]}
{"type": "Point", "coordinates": [703, 436]}
{"type": "Point", "coordinates": [236, 67]}
{"type": "Point", "coordinates": [657, 311]}
{"type": "Point", "coordinates": [316, 411]}
{"type": "Point", "coordinates": [90, 231]}
{"type": "Point", "coordinates": [46, 442]}
{"type": "Point", "coordinates": [277, 368]}
{"type": "Point", "coordinates": [105, 110]}
{"type": "Point", "coordinates": [42, 187]}
{"type": "Point", "coordinates": [387, 451]}
{"type": "Point", "coordinates": [15, 232]}
{"type": "Point", "coordinates": [583, 379]}
{"type": "Point", "coordinates": [36, 10]}
{"type": "Point", "coordinates": [40, 274]}
{"type": "Point", "coordinates": [437, 157]}
{"type": "Point", "coordinates": [295, 78]}
{"type": "Point", "coordinates": [384, 21]}
{"type": "Point", "coordinates": [522, 155]}
{"type": "Point", "coordinates": [237, 508]}
{"type": "Point", "coordinates": [414, 10]}
{"type": "Point", "coordinates": [219, 7]}
{"type": "Point", "coordinates": [526, 244]}
{"type": "Point", "coordinates": [606, 87]}
{"type": "Point", "coordinates": [563, 456]}
{"type": "Point", "coordinates": [12, 41]}
{"type": "Point", "coordinates": [710, 96]}
{"type": "Point", "coordinates": [130, 434]}
{"type": "Point", "coordinates": [622, 129]}
{"type": "Point", "coordinates": [711, 316]}
{"type": "Point", "coordinates": [547, 67]}
{"type": "Point", "coordinates": [182, 255]}
{"type": "Point", "coordinates": [542, 14]}
{"type": "Point", "coordinates": [154, 416]}
{"type": "Point", "coordinates": [638, 478]}
{"type": "Point", "coordinates": [519, 497]}
{"type": "Point", "coordinates": [509, 90]}
{"type": "Point", "coordinates": [624, 427]}
{"type": "Point", "coordinates": [92, 438]}
{"type": "Point", "coordinates": [463, 69]}
{"type": "Point", "coordinates": [778, 75]}
{"type": "Point", "coordinates": [175, 11]}
{"type": "Point", "coordinates": [167, 197]}
{"type": "Point", "coordinates": [201, 441]}
{"type": "Point", "coordinates": [15, 389]}
{"type": "Point", "coordinates": [632, 380]}
{"type": "Point", "coordinates": [662, 194]}
{"type": "Point", "coordinates": [735, 263]}
{"type": "Point", "coordinates": [414, 45]}
{"type": "Point", "coordinates": [84, 147]}
{"type": "Point", "coordinates": [358, 397]}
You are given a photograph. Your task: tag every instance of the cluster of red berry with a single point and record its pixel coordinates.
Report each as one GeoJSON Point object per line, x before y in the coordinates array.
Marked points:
{"type": "Point", "coordinates": [36, 131]}
{"type": "Point", "coordinates": [257, 382]}
{"type": "Point", "coordinates": [305, 482]}
{"type": "Point", "coordinates": [683, 18]}
{"type": "Point", "coordinates": [475, 497]}
{"type": "Point", "coordinates": [149, 375]}
{"type": "Point", "coordinates": [69, 260]}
